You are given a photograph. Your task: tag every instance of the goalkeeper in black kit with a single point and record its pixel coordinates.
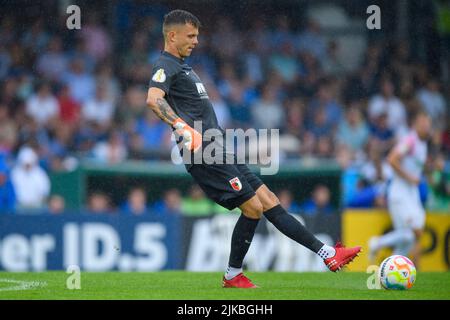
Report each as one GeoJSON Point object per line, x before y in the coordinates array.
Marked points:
{"type": "Point", "coordinates": [178, 97]}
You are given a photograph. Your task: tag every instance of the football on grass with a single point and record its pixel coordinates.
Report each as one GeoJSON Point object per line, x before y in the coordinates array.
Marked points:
{"type": "Point", "coordinates": [397, 272]}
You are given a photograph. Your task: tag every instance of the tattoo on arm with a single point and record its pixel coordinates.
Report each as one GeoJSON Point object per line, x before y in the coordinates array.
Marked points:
{"type": "Point", "coordinates": [164, 111]}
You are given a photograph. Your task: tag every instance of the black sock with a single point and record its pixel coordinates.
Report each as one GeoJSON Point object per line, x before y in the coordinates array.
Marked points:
{"type": "Point", "coordinates": [241, 239]}
{"type": "Point", "coordinates": [292, 228]}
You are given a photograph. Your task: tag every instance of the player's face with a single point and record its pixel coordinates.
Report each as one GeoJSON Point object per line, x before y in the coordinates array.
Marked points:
{"type": "Point", "coordinates": [186, 39]}
{"type": "Point", "coordinates": [423, 126]}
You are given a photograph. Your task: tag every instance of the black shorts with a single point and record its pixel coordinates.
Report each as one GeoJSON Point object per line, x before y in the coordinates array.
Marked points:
{"type": "Point", "coordinates": [229, 185]}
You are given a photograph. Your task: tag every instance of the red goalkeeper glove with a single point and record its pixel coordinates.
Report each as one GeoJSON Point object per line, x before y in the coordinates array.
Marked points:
{"type": "Point", "coordinates": [191, 138]}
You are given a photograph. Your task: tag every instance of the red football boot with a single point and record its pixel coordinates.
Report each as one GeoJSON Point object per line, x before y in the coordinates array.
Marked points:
{"type": "Point", "coordinates": [239, 281]}
{"type": "Point", "coordinates": [342, 257]}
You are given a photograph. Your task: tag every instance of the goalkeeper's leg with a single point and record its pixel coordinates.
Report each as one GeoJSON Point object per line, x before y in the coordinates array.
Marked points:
{"type": "Point", "coordinates": [241, 239]}
{"type": "Point", "coordinates": [334, 257]}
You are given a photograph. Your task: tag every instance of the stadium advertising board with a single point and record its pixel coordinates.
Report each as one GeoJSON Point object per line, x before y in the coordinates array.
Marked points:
{"type": "Point", "coordinates": [104, 243]}
{"type": "Point", "coordinates": [94, 243]}
{"type": "Point", "coordinates": [359, 225]}
{"type": "Point", "coordinates": [207, 244]}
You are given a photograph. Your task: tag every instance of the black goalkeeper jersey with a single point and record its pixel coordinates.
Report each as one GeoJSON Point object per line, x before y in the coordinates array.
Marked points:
{"type": "Point", "coordinates": [187, 96]}
{"type": "Point", "coordinates": [184, 90]}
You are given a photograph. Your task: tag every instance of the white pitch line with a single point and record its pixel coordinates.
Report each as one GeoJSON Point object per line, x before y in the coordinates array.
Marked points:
{"type": "Point", "coordinates": [22, 285]}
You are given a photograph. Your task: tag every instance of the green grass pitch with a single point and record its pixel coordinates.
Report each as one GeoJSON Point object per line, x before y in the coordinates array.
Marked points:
{"type": "Point", "coordinates": [183, 285]}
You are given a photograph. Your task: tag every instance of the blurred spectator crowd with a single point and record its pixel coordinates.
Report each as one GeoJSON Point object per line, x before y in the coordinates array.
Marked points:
{"type": "Point", "coordinates": [65, 99]}
{"type": "Point", "coordinates": [194, 203]}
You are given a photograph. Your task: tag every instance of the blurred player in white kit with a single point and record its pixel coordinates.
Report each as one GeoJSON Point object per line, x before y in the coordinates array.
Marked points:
{"type": "Point", "coordinates": [407, 160]}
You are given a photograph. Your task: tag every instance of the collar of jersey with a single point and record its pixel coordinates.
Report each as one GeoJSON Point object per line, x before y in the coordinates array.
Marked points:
{"type": "Point", "coordinates": [169, 55]}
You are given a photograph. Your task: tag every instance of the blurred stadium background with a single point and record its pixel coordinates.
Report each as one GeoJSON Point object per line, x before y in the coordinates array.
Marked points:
{"type": "Point", "coordinates": [85, 172]}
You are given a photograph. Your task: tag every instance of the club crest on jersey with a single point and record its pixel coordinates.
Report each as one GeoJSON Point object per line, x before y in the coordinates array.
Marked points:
{"type": "Point", "coordinates": [159, 76]}
{"type": "Point", "coordinates": [236, 184]}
